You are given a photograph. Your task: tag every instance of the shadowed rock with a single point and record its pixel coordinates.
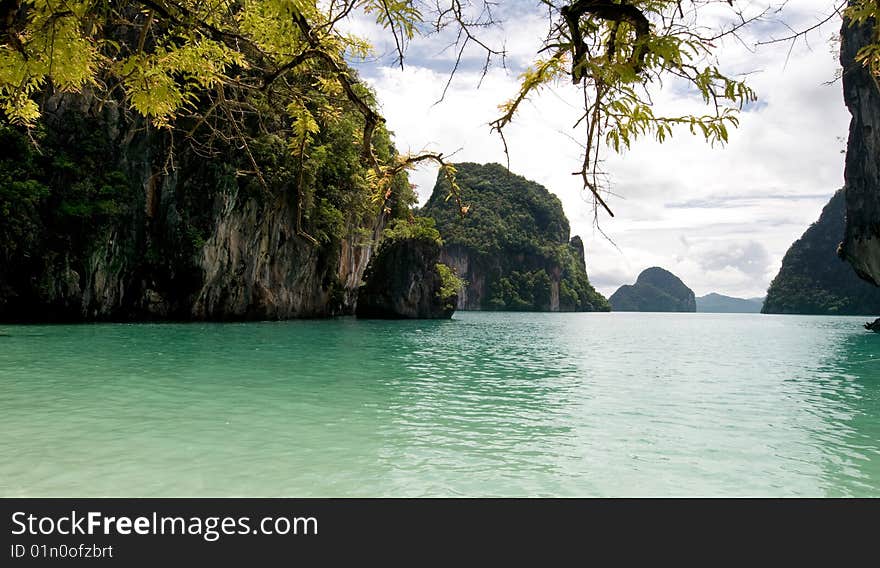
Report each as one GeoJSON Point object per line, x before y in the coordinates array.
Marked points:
{"type": "Point", "coordinates": [402, 281]}
{"type": "Point", "coordinates": [861, 244]}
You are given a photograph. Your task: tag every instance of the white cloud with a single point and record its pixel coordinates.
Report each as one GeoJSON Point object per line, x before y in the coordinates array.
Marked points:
{"type": "Point", "coordinates": [683, 205]}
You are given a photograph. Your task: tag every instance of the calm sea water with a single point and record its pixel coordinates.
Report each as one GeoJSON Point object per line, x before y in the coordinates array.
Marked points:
{"type": "Point", "coordinates": [484, 405]}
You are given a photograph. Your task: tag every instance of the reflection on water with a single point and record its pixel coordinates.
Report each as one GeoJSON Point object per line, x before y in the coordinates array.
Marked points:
{"type": "Point", "coordinates": [486, 404]}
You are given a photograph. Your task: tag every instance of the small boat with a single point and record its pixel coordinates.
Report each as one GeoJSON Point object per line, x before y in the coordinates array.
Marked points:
{"type": "Point", "coordinates": [873, 326]}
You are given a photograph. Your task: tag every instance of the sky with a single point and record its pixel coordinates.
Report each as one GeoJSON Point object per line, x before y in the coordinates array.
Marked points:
{"type": "Point", "coordinates": [720, 218]}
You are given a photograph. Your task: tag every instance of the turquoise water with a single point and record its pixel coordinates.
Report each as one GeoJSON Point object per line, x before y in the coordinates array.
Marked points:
{"type": "Point", "coordinates": [487, 404]}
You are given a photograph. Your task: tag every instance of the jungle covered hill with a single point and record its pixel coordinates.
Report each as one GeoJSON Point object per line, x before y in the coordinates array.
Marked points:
{"type": "Point", "coordinates": [655, 290]}
{"type": "Point", "coordinates": [513, 246]}
{"type": "Point", "coordinates": [814, 280]}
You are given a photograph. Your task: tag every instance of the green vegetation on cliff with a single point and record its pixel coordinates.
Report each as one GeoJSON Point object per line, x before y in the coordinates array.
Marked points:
{"type": "Point", "coordinates": [450, 283]}
{"type": "Point", "coordinates": [186, 160]}
{"type": "Point", "coordinates": [104, 217]}
{"type": "Point", "coordinates": [508, 213]}
{"type": "Point", "coordinates": [515, 242]}
{"type": "Point", "coordinates": [404, 278]}
{"type": "Point", "coordinates": [412, 228]}
{"type": "Point", "coordinates": [813, 280]}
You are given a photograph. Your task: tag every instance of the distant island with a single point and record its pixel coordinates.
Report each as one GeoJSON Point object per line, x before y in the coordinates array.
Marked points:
{"type": "Point", "coordinates": [813, 280]}
{"type": "Point", "coordinates": [719, 303]}
{"type": "Point", "coordinates": [513, 248]}
{"type": "Point", "coordinates": [655, 290]}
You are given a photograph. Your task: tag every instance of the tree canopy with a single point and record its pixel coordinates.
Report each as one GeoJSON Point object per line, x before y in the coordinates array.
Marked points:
{"type": "Point", "coordinates": [191, 65]}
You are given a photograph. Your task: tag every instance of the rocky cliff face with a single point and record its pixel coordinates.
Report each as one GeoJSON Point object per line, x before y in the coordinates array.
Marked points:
{"type": "Point", "coordinates": [403, 282]}
{"type": "Point", "coordinates": [105, 223]}
{"type": "Point", "coordinates": [460, 259]}
{"type": "Point", "coordinates": [255, 267]}
{"type": "Point", "coordinates": [655, 290]}
{"type": "Point", "coordinates": [813, 280]}
{"type": "Point", "coordinates": [861, 245]}
{"type": "Point", "coordinates": [513, 247]}
{"type": "Point", "coordinates": [493, 286]}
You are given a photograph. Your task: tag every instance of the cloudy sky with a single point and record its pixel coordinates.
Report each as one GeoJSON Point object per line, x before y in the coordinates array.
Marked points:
{"type": "Point", "coordinates": [720, 218]}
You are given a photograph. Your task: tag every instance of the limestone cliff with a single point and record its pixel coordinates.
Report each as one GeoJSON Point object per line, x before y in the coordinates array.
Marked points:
{"type": "Point", "coordinates": [513, 247]}
{"type": "Point", "coordinates": [107, 219]}
{"type": "Point", "coordinates": [861, 245]}
{"type": "Point", "coordinates": [655, 290]}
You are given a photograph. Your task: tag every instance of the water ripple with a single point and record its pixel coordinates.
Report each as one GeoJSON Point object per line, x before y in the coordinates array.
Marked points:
{"type": "Point", "coordinates": [486, 404]}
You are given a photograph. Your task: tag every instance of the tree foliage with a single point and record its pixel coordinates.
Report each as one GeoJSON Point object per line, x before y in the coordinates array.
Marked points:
{"type": "Point", "coordinates": [205, 69]}
{"type": "Point", "coordinates": [198, 59]}
{"type": "Point", "coordinates": [619, 54]}
{"type": "Point", "coordinates": [450, 283]}
{"type": "Point", "coordinates": [413, 228]}
{"type": "Point", "coordinates": [867, 12]}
